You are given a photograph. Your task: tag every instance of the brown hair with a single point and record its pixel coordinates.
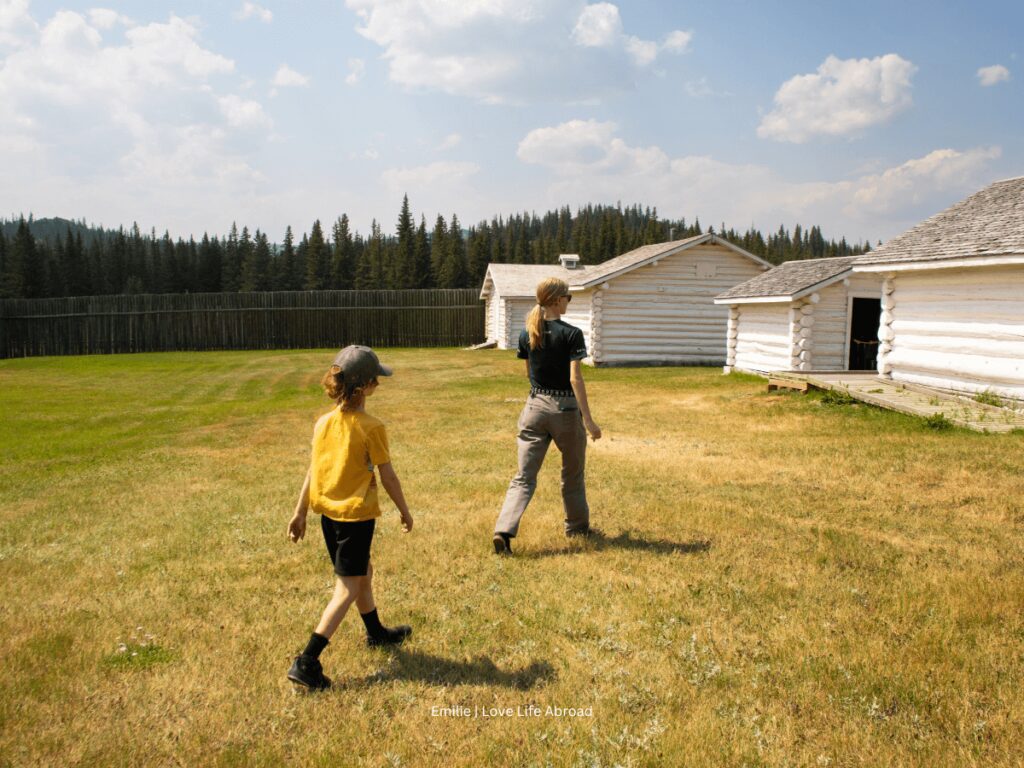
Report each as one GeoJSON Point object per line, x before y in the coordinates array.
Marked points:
{"type": "Point", "coordinates": [346, 395]}
{"type": "Point", "coordinates": [549, 290]}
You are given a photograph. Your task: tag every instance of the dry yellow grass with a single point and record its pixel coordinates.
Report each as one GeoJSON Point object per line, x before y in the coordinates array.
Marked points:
{"type": "Point", "coordinates": [781, 582]}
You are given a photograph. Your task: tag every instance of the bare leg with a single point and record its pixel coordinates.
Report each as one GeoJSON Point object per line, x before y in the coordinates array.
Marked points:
{"type": "Point", "coordinates": [346, 590]}
{"type": "Point", "coordinates": [364, 600]}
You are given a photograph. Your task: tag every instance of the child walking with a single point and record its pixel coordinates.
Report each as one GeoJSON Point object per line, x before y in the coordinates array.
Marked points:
{"type": "Point", "coordinates": [348, 443]}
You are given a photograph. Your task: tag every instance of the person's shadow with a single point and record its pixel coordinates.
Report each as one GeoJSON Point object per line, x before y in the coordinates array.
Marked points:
{"type": "Point", "coordinates": [421, 667]}
{"type": "Point", "coordinates": [598, 542]}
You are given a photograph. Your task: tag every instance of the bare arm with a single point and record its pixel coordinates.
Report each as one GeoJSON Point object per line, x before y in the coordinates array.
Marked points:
{"type": "Point", "coordinates": [580, 390]}
{"type": "Point", "coordinates": [297, 525]}
{"type": "Point", "coordinates": [393, 486]}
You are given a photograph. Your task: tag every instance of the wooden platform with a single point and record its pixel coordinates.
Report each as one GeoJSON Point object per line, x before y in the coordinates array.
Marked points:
{"type": "Point", "coordinates": [867, 387]}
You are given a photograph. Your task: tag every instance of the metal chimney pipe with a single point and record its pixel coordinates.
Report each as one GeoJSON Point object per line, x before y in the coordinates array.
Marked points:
{"type": "Point", "coordinates": [671, 234]}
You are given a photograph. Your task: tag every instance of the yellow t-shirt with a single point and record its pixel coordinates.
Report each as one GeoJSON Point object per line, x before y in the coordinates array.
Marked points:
{"type": "Point", "coordinates": [347, 445]}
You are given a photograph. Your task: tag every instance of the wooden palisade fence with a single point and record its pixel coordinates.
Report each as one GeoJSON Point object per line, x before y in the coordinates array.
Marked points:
{"type": "Point", "coordinates": [278, 320]}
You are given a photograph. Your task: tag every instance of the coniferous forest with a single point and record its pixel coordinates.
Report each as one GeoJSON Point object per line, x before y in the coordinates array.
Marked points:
{"type": "Point", "coordinates": [42, 258]}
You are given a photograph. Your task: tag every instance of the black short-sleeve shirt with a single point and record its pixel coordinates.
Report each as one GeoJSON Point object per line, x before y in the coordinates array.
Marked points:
{"type": "Point", "coordinates": [549, 363]}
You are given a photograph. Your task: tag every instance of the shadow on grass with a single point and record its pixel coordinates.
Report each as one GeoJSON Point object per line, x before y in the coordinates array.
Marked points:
{"type": "Point", "coordinates": [598, 542]}
{"type": "Point", "coordinates": [435, 670]}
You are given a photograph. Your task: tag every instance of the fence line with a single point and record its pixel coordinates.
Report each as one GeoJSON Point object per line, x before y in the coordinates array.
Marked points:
{"type": "Point", "coordinates": [270, 320]}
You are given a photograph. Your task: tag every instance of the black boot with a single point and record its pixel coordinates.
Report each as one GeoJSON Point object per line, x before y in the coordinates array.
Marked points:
{"type": "Point", "coordinates": [306, 671]}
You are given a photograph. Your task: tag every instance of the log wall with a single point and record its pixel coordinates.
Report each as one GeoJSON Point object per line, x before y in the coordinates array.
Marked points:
{"type": "Point", "coordinates": [956, 329]}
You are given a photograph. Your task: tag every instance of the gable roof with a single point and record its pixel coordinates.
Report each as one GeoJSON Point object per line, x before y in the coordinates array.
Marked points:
{"type": "Point", "coordinates": [645, 254]}
{"type": "Point", "coordinates": [520, 280]}
{"type": "Point", "coordinates": [988, 224]}
{"type": "Point", "coordinates": [517, 280]}
{"type": "Point", "coordinates": [789, 281]}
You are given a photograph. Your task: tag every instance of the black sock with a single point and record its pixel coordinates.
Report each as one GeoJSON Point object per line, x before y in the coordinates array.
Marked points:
{"type": "Point", "coordinates": [373, 626]}
{"type": "Point", "coordinates": [315, 646]}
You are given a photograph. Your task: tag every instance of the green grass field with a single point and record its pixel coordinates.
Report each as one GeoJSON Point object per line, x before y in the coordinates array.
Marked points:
{"type": "Point", "coordinates": [782, 582]}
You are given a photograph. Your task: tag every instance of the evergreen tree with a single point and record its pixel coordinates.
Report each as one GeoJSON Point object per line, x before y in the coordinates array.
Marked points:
{"type": "Point", "coordinates": [438, 249]}
{"type": "Point", "coordinates": [230, 271]}
{"type": "Point", "coordinates": [404, 274]}
{"type": "Point", "coordinates": [247, 278]}
{"type": "Point", "coordinates": [318, 269]}
{"type": "Point", "coordinates": [287, 280]}
{"type": "Point", "coordinates": [453, 268]}
{"type": "Point", "coordinates": [421, 253]}
{"type": "Point", "coordinates": [209, 268]}
{"type": "Point", "coordinates": [342, 255]}
{"type": "Point", "coordinates": [256, 266]}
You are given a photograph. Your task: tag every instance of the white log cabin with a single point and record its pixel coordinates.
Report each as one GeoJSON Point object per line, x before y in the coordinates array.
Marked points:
{"type": "Point", "coordinates": [813, 314]}
{"type": "Point", "coordinates": [651, 306]}
{"type": "Point", "coordinates": [953, 296]}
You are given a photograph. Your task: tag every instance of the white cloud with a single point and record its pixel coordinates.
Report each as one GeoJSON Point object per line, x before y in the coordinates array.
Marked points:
{"type": "Point", "coordinates": [16, 25]}
{"type": "Point", "coordinates": [678, 41]}
{"type": "Point", "coordinates": [104, 18]}
{"type": "Point", "coordinates": [253, 10]}
{"type": "Point", "coordinates": [108, 129]}
{"type": "Point", "coordinates": [243, 113]}
{"type": "Point", "coordinates": [842, 98]}
{"type": "Point", "coordinates": [356, 68]}
{"type": "Point", "coordinates": [598, 26]}
{"type": "Point", "coordinates": [450, 141]}
{"type": "Point", "coordinates": [286, 77]}
{"type": "Point", "coordinates": [588, 162]}
{"type": "Point", "coordinates": [507, 50]}
{"type": "Point", "coordinates": [997, 73]}
{"type": "Point", "coordinates": [698, 88]}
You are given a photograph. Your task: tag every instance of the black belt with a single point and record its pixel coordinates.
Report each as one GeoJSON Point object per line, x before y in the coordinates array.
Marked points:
{"type": "Point", "coordinates": [552, 392]}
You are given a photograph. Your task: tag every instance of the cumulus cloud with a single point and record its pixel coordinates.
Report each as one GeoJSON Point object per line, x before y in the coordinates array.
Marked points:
{"type": "Point", "coordinates": [842, 98]}
{"type": "Point", "coordinates": [140, 122]}
{"type": "Point", "coordinates": [16, 25]}
{"type": "Point", "coordinates": [588, 161]}
{"type": "Point", "coordinates": [356, 68]}
{"type": "Point", "coordinates": [286, 77]}
{"type": "Point", "coordinates": [104, 18]}
{"type": "Point", "coordinates": [508, 50]}
{"type": "Point", "coordinates": [598, 26]}
{"type": "Point", "coordinates": [254, 11]}
{"type": "Point", "coordinates": [997, 73]}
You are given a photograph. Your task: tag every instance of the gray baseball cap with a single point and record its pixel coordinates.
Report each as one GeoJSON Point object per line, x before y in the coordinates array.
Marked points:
{"type": "Point", "coordinates": [359, 365]}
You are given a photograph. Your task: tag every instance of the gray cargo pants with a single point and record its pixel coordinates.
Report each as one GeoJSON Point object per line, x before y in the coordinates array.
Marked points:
{"type": "Point", "coordinates": [546, 418]}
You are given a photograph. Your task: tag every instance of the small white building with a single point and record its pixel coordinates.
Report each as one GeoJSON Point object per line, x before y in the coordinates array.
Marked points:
{"type": "Point", "coordinates": [813, 314]}
{"type": "Point", "coordinates": [953, 296]}
{"type": "Point", "coordinates": [651, 306]}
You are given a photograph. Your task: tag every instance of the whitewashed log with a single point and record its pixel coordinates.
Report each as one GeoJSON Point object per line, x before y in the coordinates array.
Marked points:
{"type": "Point", "coordinates": [808, 321]}
{"type": "Point", "coordinates": [997, 370]}
{"type": "Point", "coordinates": [888, 286]}
{"type": "Point", "coordinates": [806, 310]}
{"type": "Point", "coordinates": [888, 302]}
{"type": "Point", "coordinates": [964, 328]}
{"type": "Point", "coordinates": [814, 298]}
{"type": "Point", "coordinates": [886, 318]}
{"type": "Point", "coordinates": [886, 334]}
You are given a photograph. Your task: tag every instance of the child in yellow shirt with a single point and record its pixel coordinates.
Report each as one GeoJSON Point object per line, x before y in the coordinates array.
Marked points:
{"type": "Point", "coordinates": [341, 487]}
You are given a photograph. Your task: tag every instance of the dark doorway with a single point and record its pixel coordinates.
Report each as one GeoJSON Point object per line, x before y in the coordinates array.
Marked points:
{"type": "Point", "coordinates": [865, 315]}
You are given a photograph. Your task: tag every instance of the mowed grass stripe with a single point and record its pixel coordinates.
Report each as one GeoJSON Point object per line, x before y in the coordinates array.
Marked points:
{"type": "Point", "coordinates": [781, 582]}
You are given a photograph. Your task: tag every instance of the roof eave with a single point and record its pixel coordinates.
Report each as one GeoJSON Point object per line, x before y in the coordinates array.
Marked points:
{"type": "Point", "coordinates": [959, 262]}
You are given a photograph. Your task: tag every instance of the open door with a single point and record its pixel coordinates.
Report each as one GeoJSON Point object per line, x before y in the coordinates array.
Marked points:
{"type": "Point", "coordinates": [865, 315]}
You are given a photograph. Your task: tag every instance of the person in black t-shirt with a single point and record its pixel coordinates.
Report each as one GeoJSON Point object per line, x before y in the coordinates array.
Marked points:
{"type": "Point", "coordinates": [557, 409]}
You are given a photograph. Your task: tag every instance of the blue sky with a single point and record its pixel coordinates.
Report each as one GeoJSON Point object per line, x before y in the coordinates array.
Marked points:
{"type": "Point", "coordinates": [862, 117]}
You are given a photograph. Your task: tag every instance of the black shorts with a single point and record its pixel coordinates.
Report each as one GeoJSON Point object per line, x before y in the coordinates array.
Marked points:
{"type": "Point", "coordinates": [348, 544]}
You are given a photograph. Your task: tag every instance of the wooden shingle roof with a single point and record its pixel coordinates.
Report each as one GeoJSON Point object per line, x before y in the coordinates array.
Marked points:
{"type": "Point", "coordinates": [989, 223]}
{"type": "Point", "coordinates": [648, 253]}
{"type": "Point", "coordinates": [520, 280]}
{"type": "Point", "coordinates": [790, 280]}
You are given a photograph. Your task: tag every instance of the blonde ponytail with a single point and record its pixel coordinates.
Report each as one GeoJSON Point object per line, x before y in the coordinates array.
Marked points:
{"type": "Point", "coordinates": [549, 290]}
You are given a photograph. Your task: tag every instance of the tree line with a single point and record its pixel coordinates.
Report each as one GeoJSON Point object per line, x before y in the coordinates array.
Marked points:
{"type": "Point", "coordinates": [57, 257]}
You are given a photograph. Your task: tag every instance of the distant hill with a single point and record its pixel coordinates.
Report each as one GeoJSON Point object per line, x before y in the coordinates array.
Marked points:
{"type": "Point", "coordinates": [54, 230]}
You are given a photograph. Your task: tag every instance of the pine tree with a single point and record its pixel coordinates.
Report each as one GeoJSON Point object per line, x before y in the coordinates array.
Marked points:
{"type": "Point", "coordinates": [230, 272]}
{"type": "Point", "coordinates": [317, 260]}
{"type": "Point", "coordinates": [256, 266]}
{"type": "Point", "coordinates": [453, 269]}
{"type": "Point", "coordinates": [404, 272]}
{"type": "Point", "coordinates": [438, 249]}
{"type": "Point", "coordinates": [421, 252]}
{"type": "Point", "coordinates": [342, 254]}
{"type": "Point", "coordinates": [287, 280]}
